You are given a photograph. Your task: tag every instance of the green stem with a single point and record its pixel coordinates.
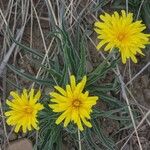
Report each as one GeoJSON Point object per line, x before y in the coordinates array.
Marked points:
{"type": "Point", "coordinates": [79, 139]}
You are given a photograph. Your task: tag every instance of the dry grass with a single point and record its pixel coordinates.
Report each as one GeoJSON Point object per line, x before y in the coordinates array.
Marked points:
{"type": "Point", "coordinates": [30, 22]}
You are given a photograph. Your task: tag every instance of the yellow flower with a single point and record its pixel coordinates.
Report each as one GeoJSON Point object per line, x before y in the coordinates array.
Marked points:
{"type": "Point", "coordinates": [75, 105]}
{"type": "Point", "coordinates": [121, 32]}
{"type": "Point", "coordinates": [23, 110]}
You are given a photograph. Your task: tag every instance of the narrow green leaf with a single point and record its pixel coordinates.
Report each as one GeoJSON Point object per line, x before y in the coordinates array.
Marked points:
{"type": "Point", "coordinates": [31, 77]}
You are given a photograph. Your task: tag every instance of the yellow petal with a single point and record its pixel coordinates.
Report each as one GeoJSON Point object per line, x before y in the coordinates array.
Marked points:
{"type": "Point", "coordinates": [101, 43]}
{"type": "Point", "coordinates": [29, 125]}
{"type": "Point", "coordinates": [38, 106]}
{"type": "Point", "coordinates": [67, 120]}
{"type": "Point", "coordinates": [79, 124]}
{"type": "Point", "coordinates": [9, 103]}
{"type": "Point", "coordinates": [59, 97]}
{"type": "Point", "coordinates": [59, 107]}
{"type": "Point", "coordinates": [24, 128]}
{"type": "Point", "coordinates": [75, 115]}
{"type": "Point", "coordinates": [24, 96]}
{"type": "Point", "coordinates": [69, 92]}
{"type": "Point", "coordinates": [80, 86]}
{"type": "Point", "coordinates": [15, 95]}
{"type": "Point", "coordinates": [9, 121]}
{"type": "Point", "coordinates": [123, 13]}
{"type": "Point", "coordinates": [108, 46]}
{"type": "Point", "coordinates": [61, 90]}
{"type": "Point", "coordinates": [133, 58]}
{"type": "Point", "coordinates": [34, 123]}
{"type": "Point", "coordinates": [123, 58]}
{"type": "Point", "coordinates": [8, 113]}
{"type": "Point", "coordinates": [87, 123]}
{"type": "Point", "coordinates": [72, 82]}
{"type": "Point", "coordinates": [92, 100]}
{"type": "Point", "coordinates": [61, 117]}
{"type": "Point", "coordinates": [84, 113]}
{"type": "Point", "coordinates": [31, 94]}
{"type": "Point", "coordinates": [37, 96]}
{"type": "Point", "coordinates": [116, 15]}
{"type": "Point", "coordinates": [17, 128]}
{"type": "Point", "coordinates": [55, 100]}
{"type": "Point", "coordinates": [25, 93]}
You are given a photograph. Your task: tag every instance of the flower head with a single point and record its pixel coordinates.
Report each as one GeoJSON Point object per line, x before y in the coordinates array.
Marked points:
{"type": "Point", "coordinates": [119, 31]}
{"type": "Point", "coordinates": [74, 105]}
{"type": "Point", "coordinates": [23, 110]}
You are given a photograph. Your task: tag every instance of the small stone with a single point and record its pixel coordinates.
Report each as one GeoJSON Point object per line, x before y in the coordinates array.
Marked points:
{"type": "Point", "coordinates": [23, 144]}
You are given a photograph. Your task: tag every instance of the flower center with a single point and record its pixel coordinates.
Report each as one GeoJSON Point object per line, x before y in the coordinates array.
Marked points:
{"type": "Point", "coordinates": [121, 36]}
{"type": "Point", "coordinates": [76, 103]}
{"type": "Point", "coordinates": [28, 110]}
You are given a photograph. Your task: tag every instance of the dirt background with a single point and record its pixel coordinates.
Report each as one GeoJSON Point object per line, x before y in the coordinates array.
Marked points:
{"type": "Point", "coordinates": [14, 13]}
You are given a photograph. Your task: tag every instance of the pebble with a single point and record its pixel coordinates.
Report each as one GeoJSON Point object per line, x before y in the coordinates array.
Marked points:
{"type": "Point", "coordinates": [23, 144]}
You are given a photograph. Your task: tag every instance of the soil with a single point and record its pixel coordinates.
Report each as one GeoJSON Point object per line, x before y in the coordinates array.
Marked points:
{"type": "Point", "coordinates": [140, 87]}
